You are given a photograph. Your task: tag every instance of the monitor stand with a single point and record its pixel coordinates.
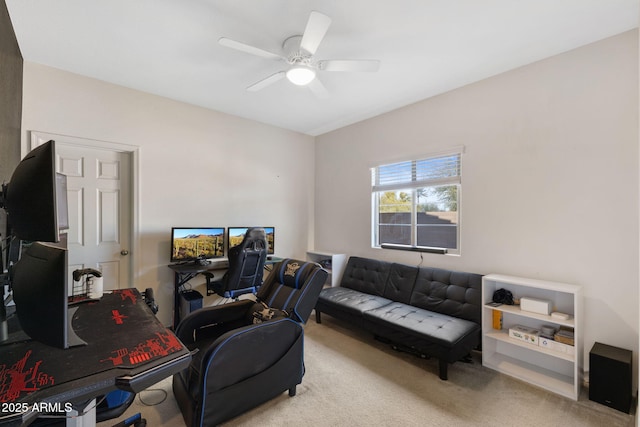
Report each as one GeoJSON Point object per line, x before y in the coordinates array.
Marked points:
{"type": "Point", "coordinates": [73, 340]}
{"type": "Point", "coordinates": [14, 330]}
{"type": "Point", "coordinates": [16, 334]}
{"type": "Point", "coordinates": [4, 324]}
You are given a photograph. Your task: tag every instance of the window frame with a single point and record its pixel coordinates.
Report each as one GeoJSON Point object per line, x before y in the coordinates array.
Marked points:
{"type": "Point", "coordinates": [412, 187]}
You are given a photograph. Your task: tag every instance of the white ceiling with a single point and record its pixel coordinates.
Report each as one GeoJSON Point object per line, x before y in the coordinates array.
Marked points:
{"type": "Point", "coordinates": [426, 47]}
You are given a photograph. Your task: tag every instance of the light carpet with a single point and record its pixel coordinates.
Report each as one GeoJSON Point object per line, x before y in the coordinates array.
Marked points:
{"type": "Point", "coordinates": [352, 379]}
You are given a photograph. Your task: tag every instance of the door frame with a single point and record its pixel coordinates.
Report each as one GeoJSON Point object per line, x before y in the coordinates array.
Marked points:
{"type": "Point", "coordinates": [36, 138]}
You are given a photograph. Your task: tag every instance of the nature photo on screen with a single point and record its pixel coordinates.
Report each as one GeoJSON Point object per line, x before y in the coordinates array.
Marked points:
{"type": "Point", "coordinates": [194, 243]}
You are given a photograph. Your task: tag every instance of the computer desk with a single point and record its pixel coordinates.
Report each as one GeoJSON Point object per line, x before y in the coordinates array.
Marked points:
{"type": "Point", "coordinates": [182, 273]}
{"type": "Point", "coordinates": [127, 348]}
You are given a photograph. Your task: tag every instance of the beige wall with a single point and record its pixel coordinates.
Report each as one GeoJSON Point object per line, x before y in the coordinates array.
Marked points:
{"type": "Point", "coordinates": [197, 167]}
{"type": "Point", "coordinates": [549, 181]}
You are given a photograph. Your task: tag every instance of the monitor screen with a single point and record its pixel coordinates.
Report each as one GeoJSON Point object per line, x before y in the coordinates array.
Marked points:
{"type": "Point", "coordinates": [236, 234]}
{"type": "Point", "coordinates": [36, 197]}
{"type": "Point", "coordinates": [192, 243]}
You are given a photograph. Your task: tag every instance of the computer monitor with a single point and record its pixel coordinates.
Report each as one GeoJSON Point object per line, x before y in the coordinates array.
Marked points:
{"type": "Point", "coordinates": [236, 234]}
{"type": "Point", "coordinates": [39, 285]}
{"type": "Point", "coordinates": [36, 197]}
{"type": "Point", "coordinates": [193, 243]}
{"type": "Point", "coordinates": [35, 200]}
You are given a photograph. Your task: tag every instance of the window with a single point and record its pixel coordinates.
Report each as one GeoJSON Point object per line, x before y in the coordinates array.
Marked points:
{"type": "Point", "coordinates": [416, 202]}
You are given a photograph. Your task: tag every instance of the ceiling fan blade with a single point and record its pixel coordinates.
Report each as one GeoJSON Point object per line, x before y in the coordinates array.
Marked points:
{"type": "Point", "coordinates": [318, 89]}
{"type": "Point", "coordinates": [370, 65]}
{"type": "Point", "coordinates": [317, 27]}
{"type": "Point", "coordinates": [248, 48]}
{"type": "Point", "coordinates": [266, 82]}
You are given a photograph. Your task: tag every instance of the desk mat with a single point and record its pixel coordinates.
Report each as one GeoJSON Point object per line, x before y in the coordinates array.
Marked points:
{"type": "Point", "coordinates": [122, 334]}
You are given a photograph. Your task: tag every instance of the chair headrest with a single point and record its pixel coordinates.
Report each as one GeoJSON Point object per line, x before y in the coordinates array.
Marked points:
{"type": "Point", "coordinates": [255, 238]}
{"type": "Point", "coordinates": [256, 233]}
{"type": "Point", "coordinates": [293, 273]}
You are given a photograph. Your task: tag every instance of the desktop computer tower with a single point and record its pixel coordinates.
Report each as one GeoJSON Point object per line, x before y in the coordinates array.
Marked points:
{"type": "Point", "coordinates": [189, 301]}
{"type": "Point", "coordinates": [610, 376]}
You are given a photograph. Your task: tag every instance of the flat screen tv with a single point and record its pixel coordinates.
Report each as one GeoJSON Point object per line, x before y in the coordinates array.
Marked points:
{"type": "Point", "coordinates": [193, 243]}
{"type": "Point", "coordinates": [237, 233]}
{"type": "Point", "coordinates": [36, 197]}
{"type": "Point", "coordinates": [39, 286]}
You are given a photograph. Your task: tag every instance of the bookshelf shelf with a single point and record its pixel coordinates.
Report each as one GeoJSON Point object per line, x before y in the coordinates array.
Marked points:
{"type": "Point", "coordinates": [333, 263]}
{"type": "Point", "coordinates": [554, 370]}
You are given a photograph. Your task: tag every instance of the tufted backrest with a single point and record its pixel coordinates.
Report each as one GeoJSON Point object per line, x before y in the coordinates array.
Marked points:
{"type": "Point", "coordinates": [246, 263]}
{"type": "Point", "coordinates": [293, 286]}
{"type": "Point", "coordinates": [400, 283]}
{"type": "Point", "coordinates": [366, 275]}
{"type": "Point", "coordinates": [449, 292]}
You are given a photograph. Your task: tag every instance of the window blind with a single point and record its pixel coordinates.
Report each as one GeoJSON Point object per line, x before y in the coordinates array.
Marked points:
{"type": "Point", "coordinates": [428, 172]}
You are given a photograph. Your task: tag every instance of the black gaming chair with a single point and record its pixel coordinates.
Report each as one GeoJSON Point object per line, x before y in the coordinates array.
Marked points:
{"type": "Point", "coordinates": [247, 352]}
{"type": "Point", "coordinates": [246, 264]}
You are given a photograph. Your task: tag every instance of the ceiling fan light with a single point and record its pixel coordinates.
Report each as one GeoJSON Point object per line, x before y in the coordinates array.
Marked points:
{"type": "Point", "coordinates": [301, 76]}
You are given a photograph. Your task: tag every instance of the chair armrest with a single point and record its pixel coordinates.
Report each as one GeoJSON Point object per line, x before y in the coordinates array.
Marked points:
{"type": "Point", "coordinates": [208, 316]}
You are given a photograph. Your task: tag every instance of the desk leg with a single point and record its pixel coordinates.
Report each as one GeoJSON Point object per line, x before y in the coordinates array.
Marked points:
{"type": "Point", "coordinates": [87, 419]}
{"type": "Point", "coordinates": [176, 299]}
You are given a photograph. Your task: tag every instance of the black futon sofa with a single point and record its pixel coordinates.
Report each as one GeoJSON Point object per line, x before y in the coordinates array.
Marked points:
{"type": "Point", "coordinates": [429, 311]}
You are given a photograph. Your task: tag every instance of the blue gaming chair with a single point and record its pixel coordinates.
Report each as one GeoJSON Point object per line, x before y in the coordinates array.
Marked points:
{"type": "Point", "coordinates": [247, 352]}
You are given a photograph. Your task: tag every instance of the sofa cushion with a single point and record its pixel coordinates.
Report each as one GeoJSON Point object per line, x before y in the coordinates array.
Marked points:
{"type": "Point", "coordinates": [438, 328]}
{"type": "Point", "coordinates": [448, 292]}
{"type": "Point", "coordinates": [350, 300]}
{"type": "Point", "coordinates": [400, 282]}
{"type": "Point", "coordinates": [365, 275]}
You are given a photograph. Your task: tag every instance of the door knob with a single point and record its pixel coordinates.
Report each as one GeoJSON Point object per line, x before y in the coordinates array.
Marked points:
{"type": "Point", "coordinates": [124, 252]}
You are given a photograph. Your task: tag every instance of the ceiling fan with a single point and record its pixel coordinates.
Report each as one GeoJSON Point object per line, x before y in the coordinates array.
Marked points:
{"type": "Point", "coordinates": [298, 52]}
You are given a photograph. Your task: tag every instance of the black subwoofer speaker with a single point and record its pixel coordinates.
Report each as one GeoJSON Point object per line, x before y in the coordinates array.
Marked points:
{"type": "Point", "coordinates": [610, 376]}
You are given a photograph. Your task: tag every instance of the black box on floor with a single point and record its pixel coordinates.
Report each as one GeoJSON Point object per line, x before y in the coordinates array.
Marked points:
{"type": "Point", "coordinates": [610, 376]}
{"type": "Point", "coordinates": [189, 301]}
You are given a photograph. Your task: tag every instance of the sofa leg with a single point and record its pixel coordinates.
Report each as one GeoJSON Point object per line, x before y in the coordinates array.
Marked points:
{"type": "Point", "coordinates": [442, 364]}
{"type": "Point", "coordinates": [318, 316]}
{"type": "Point", "coordinates": [292, 391]}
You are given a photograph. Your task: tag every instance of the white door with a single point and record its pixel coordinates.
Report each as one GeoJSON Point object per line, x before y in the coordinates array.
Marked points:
{"type": "Point", "coordinates": [99, 198]}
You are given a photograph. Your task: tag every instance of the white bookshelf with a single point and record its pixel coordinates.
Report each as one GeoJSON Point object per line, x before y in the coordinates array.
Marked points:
{"type": "Point", "coordinates": [338, 262]}
{"type": "Point", "coordinates": [556, 371]}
